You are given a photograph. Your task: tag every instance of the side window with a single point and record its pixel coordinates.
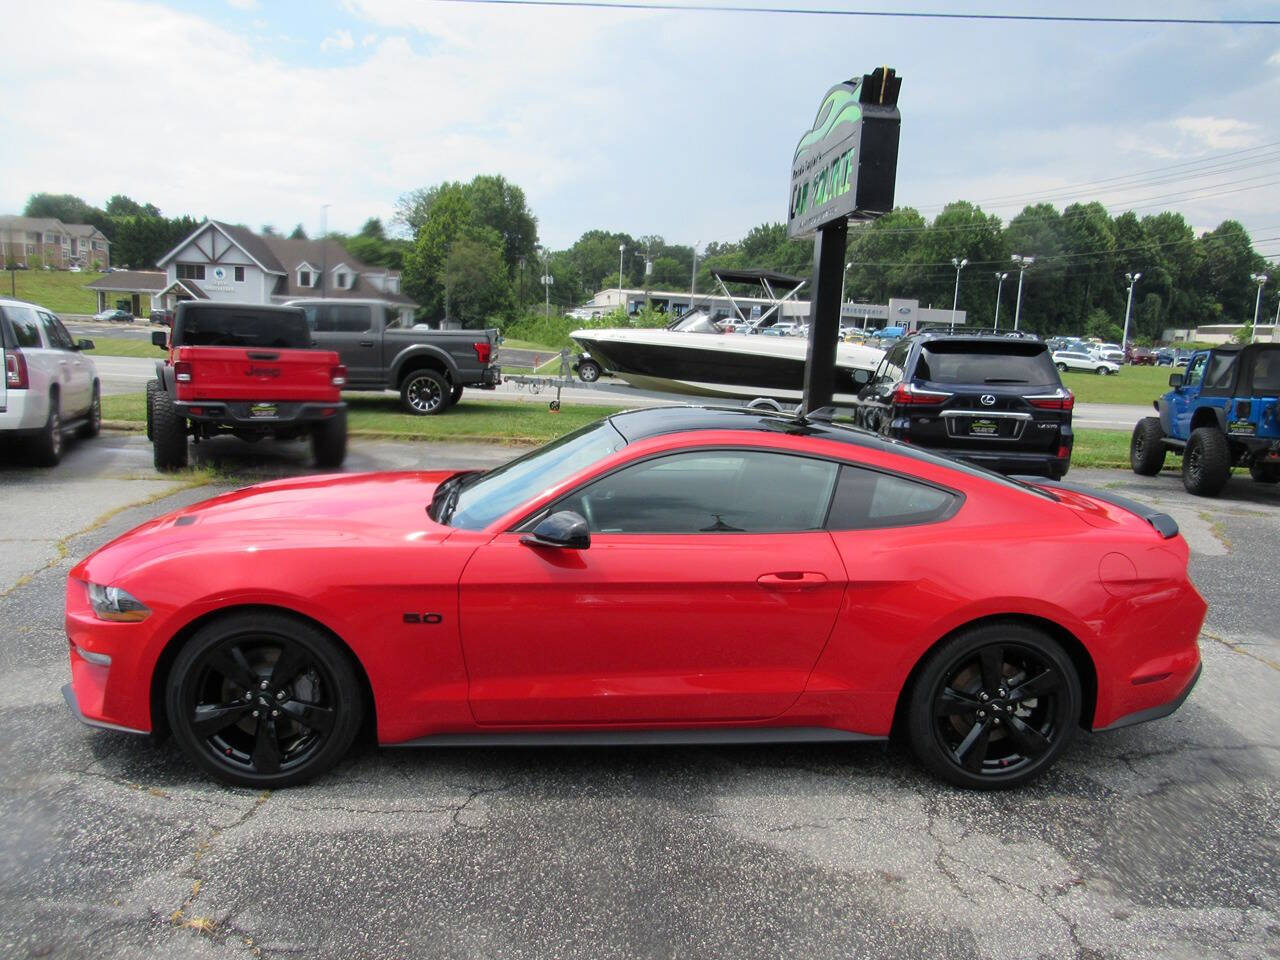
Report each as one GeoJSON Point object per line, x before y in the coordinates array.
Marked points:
{"type": "Point", "coordinates": [1220, 370]}
{"type": "Point", "coordinates": [22, 321]}
{"type": "Point", "coordinates": [894, 362]}
{"type": "Point", "coordinates": [56, 333]}
{"type": "Point", "coordinates": [709, 491]}
{"type": "Point", "coordinates": [866, 499]}
{"type": "Point", "coordinates": [352, 318]}
{"type": "Point", "coordinates": [1195, 373]}
{"type": "Point", "coordinates": [325, 318]}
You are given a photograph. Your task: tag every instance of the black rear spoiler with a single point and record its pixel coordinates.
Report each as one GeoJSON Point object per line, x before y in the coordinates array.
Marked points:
{"type": "Point", "coordinates": [1163, 524]}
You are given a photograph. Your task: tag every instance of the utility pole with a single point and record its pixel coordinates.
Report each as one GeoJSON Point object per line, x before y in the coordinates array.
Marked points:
{"type": "Point", "coordinates": [1260, 279]}
{"type": "Point", "coordinates": [1000, 286]}
{"type": "Point", "coordinates": [622, 300]}
{"type": "Point", "coordinates": [1133, 278]}
{"type": "Point", "coordinates": [1022, 263]}
{"type": "Point", "coordinates": [324, 246]}
{"type": "Point", "coordinates": [547, 280]}
{"type": "Point", "coordinates": [959, 265]}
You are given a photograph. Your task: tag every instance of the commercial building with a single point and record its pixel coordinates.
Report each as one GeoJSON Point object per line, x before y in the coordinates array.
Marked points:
{"type": "Point", "coordinates": [871, 316]}
{"type": "Point", "coordinates": [137, 291]}
{"type": "Point", "coordinates": [222, 261]}
{"type": "Point", "coordinates": [35, 242]}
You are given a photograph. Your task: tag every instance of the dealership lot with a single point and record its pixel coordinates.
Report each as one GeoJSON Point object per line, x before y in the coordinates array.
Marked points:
{"type": "Point", "coordinates": [1155, 841]}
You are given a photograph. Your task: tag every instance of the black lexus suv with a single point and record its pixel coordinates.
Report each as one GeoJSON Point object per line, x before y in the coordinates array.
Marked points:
{"type": "Point", "coordinates": [994, 400]}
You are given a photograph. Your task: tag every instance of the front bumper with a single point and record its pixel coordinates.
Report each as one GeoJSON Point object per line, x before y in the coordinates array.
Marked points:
{"type": "Point", "coordinates": [69, 695]}
{"type": "Point", "coordinates": [240, 415]}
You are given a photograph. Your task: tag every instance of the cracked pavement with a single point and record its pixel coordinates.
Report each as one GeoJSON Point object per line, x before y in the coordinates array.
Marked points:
{"type": "Point", "coordinates": [1155, 841]}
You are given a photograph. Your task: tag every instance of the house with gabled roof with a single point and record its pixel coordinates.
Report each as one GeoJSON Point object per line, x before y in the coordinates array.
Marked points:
{"type": "Point", "coordinates": [223, 261]}
{"type": "Point", "coordinates": [47, 241]}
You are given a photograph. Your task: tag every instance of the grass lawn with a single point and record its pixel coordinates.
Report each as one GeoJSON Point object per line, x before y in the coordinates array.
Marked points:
{"type": "Point", "coordinates": [382, 417]}
{"type": "Point", "coordinates": [1137, 385]}
{"type": "Point", "coordinates": [58, 290]}
{"type": "Point", "coordinates": [124, 347]}
{"type": "Point", "coordinates": [1101, 448]}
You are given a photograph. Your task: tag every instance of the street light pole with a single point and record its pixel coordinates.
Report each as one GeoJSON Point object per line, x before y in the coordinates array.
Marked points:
{"type": "Point", "coordinates": [1023, 263]}
{"type": "Point", "coordinates": [1133, 278]}
{"type": "Point", "coordinates": [959, 265]}
{"type": "Point", "coordinates": [621, 299]}
{"type": "Point", "coordinates": [1260, 279]}
{"type": "Point", "coordinates": [546, 281]}
{"type": "Point", "coordinates": [843, 278]}
{"type": "Point", "coordinates": [999, 287]}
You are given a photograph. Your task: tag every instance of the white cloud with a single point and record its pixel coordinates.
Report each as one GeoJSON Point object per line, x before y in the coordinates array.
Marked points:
{"type": "Point", "coordinates": [244, 4]}
{"type": "Point", "coordinates": [1219, 133]}
{"type": "Point", "coordinates": [338, 40]}
{"type": "Point", "coordinates": [369, 40]}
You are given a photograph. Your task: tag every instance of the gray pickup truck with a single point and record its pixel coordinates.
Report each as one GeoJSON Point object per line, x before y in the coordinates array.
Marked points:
{"type": "Point", "coordinates": [430, 368]}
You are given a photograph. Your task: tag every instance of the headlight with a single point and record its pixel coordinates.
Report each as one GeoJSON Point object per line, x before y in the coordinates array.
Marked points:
{"type": "Point", "coordinates": [112, 603]}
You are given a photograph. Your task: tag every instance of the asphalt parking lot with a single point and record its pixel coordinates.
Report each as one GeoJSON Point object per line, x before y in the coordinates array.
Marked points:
{"type": "Point", "coordinates": [1155, 841]}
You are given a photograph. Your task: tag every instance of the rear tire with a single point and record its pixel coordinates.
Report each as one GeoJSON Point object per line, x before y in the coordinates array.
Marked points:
{"type": "Point", "coordinates": [1146, 447]}
{"type": "Point", "coordinates": [425, 393]}
{"type": "Point", "coordinates": [169, 429]}
{"type": "Point", "coordinates": [1265, 472]}
{"type": "Point", "coordinates": [91, 427]}
{"type": "Point", "coordinates": [994, 706]}
{"type": "Point", "coordinates": [1206, 462]}
{"type": "Point", "coordinates": [48, 445]}
{"type": "Point", "coordinates": [153, 387]}
{"type": "Point", "coordinates": [329, 440]}
{"type": "Point", "coordinates": [589, 371]}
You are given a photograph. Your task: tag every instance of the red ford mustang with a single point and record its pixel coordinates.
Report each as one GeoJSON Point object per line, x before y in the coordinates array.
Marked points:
{"type": "Point", "coordinates": [670, 575]}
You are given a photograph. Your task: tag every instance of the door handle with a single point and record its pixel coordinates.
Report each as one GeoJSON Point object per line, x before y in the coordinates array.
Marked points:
{"type": "Point", "coordinates": [791, 580]}
{"type": "Point", "coordinates": [366, 343]}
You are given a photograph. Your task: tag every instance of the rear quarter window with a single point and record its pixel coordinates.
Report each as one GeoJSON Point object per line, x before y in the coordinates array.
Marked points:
{"type": "Point", "coordinates": [23, 326]}
{"type": "Point", "coordinates": [867, 499]}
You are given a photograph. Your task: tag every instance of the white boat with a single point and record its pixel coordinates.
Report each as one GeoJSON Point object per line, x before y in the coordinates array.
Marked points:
{"type": "Point", "coordinates": [697, 355]}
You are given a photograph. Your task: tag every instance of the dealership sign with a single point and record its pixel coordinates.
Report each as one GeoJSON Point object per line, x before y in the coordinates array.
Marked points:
{"type": "Point", "coordinates": [846, 165]}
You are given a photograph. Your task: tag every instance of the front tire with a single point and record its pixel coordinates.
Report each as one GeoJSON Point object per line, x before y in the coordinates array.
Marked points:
{"type": "Point", "coordinates": [93, 424]}
{"type": "Point", "coordinates": [1102, 371]}
{"type": "Point", "coordinates": [169, 429]}
{"type": "Point", "coordinates": [994, 706]}
{"type": "Point", "coordinates": [1146, 447]}
{"type": "Point", "coordinates": [329, 440]}
{"type": "Point", "coordinates": [1265, 472]}
{"type": "Point", "coordinates": [425, 393]}
{"type": "Point", "coordinates": [1206, 463]}
{"type": "Point", "coordinates": [260, 699]}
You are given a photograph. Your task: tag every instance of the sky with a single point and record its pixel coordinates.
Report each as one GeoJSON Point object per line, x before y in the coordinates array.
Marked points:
{"type": "Point", "coordinates": [680, 124]}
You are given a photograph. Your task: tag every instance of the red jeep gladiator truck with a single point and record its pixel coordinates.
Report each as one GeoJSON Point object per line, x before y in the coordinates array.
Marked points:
{"type": "Point", "coordinates": [246, 370]}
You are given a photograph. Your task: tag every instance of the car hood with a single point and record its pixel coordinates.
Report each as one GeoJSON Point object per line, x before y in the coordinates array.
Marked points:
{"type": "Point", "coordinates": [320, 511]}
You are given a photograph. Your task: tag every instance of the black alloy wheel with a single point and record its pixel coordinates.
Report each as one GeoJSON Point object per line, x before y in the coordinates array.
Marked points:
{"type": "Point", "coordinates": [994, 707]}
{"type": "Point", "coordinates": [425, 392]}
{"type": "Point", "coordinates": [263, 700]}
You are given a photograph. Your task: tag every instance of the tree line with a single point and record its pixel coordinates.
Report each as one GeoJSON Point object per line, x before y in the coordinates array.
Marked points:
{"type": "Point", "coordinates": [470, 254]}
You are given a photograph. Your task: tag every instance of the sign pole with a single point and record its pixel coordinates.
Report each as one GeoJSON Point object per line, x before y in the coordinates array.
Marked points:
{"type": "Point", "coordinates": [824, 316]}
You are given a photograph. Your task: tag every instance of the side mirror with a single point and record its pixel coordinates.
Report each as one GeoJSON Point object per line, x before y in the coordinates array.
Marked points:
{"type": "Point", "coordinates": [564, 530]}
{"type": "Point", "coordinates": [160, 338]}
{"type": "Point", "coordinates": [84, 344]}
{"type": "Point", "coordinates": [1175, 380]}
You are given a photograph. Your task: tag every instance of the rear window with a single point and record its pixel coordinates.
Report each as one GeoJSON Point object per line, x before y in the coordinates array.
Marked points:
{"type": "Point", "coordinates": [242, 327]}
{"type": "Point", "coordinates": [23, 324]}
{"type": "Point", "coordinates": [1012, 363]}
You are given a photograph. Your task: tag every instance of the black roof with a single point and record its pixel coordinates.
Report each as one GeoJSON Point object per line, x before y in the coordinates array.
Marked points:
{"type": "Point", "coordinates": [659, 421]}
{"type": "Point", "coordinates": [755, 276]}
{"type": "Point", "coordinates": [187, 306]}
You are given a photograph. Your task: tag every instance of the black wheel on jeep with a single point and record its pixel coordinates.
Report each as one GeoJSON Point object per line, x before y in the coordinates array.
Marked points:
{"type": "Point", "coordinates": [1206, 462]}
{"type": "Point", "coordinates": [153, 387]}
{"type": "Point", "coordinates": [1265, 472]}
{"type": "Point", "coordinates": [329, 440]}
{"type": "Point", "coordinates": [169, 434]}
{"type": "Point", "coordinates": [425, 393]}
{"type": "Point", "coordinates": [1146, 447]}
{"type": "Point", "coordinates": [93, 419]}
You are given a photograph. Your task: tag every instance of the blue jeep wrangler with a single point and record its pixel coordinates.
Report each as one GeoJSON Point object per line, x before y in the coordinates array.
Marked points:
{"type": "Point", "coordinates": [1221, 413]}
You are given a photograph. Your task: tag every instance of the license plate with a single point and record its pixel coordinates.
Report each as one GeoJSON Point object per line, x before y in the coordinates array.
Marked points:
{"type": "Point", "coordinates": [262, 410]}
{"type": "Point", "coordinates": [983, 428]}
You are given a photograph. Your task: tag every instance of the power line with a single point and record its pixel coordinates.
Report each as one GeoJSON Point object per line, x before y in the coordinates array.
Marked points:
{"type": "Point", "coordinates": [884, 14]}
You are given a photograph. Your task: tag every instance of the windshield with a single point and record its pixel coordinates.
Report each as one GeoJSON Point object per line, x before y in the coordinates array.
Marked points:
{"type": "Point", "coordinates": [1013, 363]}
{"type": "Point", "coordinates": [242, 327]}
{"type": "Point", "coordinates": [480, 502]}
